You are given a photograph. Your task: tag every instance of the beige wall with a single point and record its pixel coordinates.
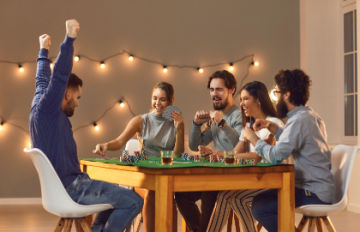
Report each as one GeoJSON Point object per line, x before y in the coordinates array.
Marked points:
{"type": "Point", "coordinates": [321, 46]}
{"type": "Point", "coordinates": [185, 32]}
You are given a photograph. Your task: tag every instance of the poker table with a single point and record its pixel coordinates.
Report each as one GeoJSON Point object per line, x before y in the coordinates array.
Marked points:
{"type": "Point", "coordinates": [186, 176]}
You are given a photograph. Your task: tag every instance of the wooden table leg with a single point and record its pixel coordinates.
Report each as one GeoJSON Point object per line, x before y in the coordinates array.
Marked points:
{"type": "Point", "coordinates": [286, 203]}
{"type": "Point", "coordinates": [164, 196]}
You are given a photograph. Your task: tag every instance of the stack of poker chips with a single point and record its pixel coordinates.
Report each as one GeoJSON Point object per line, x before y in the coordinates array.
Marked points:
{"type": "Point", "coordinates": [185, 156]}
{"type": "Point", "coordinates": [126, 158]}
{"type": "Point", "coordinates": [246, 161]}
{"type": "Point", "coordinates": [216, 158]}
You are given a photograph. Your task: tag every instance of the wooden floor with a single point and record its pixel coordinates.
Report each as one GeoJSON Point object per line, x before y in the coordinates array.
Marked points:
{"type": "Point", "coordinates": [33, 218]}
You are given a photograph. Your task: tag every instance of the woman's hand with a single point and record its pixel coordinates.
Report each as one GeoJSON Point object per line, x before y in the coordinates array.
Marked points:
{"type": "Point", "coordinates": [178, 119]}
{"type": "Point", "coordinates": [100, 149]}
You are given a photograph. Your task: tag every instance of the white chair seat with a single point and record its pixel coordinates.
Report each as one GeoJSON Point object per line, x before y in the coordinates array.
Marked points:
{"type": "Point", "coordinates": [320, 210]}
{"type": "Point", "coordinates": [55, 198]}
{"type": "Point", "coordinates": [342, 160]}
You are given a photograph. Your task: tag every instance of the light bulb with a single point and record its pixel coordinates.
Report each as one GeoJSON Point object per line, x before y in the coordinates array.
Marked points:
{"type": "Point", "coordinates": [21, 68]}
{"type": "Point", "coordinates": [165, 69]}
{"type": "Point", "coordinates": [131, 58]}
{"type": "Point", "coordinates": [96, 126]}
{"type": "Point", "coordinates": [76, 58]}
{"type": "Point", "coordinates": [102, 64]}
{"type": "Point", "coordinates": [1, 126]}
{"type": "Point", "coordinates": [231, 67]}
{"type": "Point", "coordinates": [256, 63]}
{"type": "Point", "coordinates": [273, 96]}
{"type": "Point", "coordinates": [121, 103]}
{"type": "Point", "coordinates": [51, 65]}
{"type": "Point", "coordinates": [200, 70]}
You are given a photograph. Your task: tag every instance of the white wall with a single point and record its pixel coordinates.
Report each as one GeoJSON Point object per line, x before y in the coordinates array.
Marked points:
{"type": "Point", "coordinates": [188, 32]}
{"type": "Point", "coordinates": [321, 46]}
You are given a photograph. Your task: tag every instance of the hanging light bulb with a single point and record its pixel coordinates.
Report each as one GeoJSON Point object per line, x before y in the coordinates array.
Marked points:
{"type": "Point", "coordinates": [96, 126]}
{"type": "Point", "coordinates": [200, 70]}
{"type": "Point", "coordinates": [76, 58]}
{"type": "Point", "coordinates": [121, 103]}
{"type": "Point", "coordinates": [273, 96]}
{"type": "Point", "coordinates": [255, 63]}
{"type": "Point", "coordinates": [131, 58]}
{"type": "Point", "coordinates": [21, 68]}
{"type": "Point", "coordinates": [231, 67]}
{"type": "Point", "coordinates": [2, 125]}
{"type": "Point", "coordinates": [165, 69]}
{"type": "Point", "coordinates": [102, 64]}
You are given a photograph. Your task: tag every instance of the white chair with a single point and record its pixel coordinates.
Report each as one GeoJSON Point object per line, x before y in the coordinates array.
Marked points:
{"type": "Point", "coordinates": [56, 200]}
{"type": "Point", "coordinates": [131, 146]}
{"type": "Point", "coordinates": [342, 160]}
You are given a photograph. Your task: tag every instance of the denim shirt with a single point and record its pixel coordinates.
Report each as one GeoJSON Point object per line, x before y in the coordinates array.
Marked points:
{"type": "Point", "coordinates": [304, 137]}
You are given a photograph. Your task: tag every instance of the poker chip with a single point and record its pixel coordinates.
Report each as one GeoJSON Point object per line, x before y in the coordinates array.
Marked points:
{"type": "Point", "coordinates": [168, 110]}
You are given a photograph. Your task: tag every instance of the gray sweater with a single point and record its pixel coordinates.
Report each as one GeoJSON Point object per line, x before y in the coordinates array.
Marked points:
{"type": "Point", "coordinates": [225, 138]}
{"type": "Point", "coordinates": [304, 137]}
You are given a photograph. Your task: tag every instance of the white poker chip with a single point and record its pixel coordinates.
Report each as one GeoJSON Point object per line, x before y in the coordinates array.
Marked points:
{"type": "Point", "coordinates": [168, 110]}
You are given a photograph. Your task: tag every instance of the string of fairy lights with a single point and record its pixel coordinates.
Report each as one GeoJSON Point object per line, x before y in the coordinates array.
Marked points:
{"type": "Point", "coordinates": [252, 62]}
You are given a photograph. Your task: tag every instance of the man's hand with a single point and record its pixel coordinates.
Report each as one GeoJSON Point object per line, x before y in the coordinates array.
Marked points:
{"type": "Point", "coordinates": [260, 124]}
{"type": "Point", "coordinates": [250, 135]}
{"type": "Point", "coordinates": [205, 151]}
{"type": "Point", "coordinates": [72, 28]}
{"type": "Point", "coordinates": [100, 149]}
{"type": "Point", "coordinates": [216, 116]}
{"type": "Point", "coordinates": [45, 41]}
{"type": "Point", "coordinates": [201, 117]}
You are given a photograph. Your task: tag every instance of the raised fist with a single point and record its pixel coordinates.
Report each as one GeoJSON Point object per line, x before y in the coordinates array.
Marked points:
{"type": "Point", "coordinates": [72, 28]}
{"type": "Point", "coordinates": [45, 41]}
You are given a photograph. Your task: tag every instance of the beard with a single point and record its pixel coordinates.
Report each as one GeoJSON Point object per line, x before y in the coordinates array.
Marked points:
{"type": "Point", "coordinates": [220, 105]}
{"type": "Point", "coordinates": [69, 108]}
{"type": "Point", "coordinates": [281, 108]}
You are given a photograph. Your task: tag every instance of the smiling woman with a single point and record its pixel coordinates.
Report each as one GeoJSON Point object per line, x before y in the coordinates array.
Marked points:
{"type": "Point", "coordinates": [156, 133]}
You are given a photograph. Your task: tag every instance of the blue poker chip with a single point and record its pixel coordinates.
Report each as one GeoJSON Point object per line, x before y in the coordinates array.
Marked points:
{"type": "Point", "coordinates": [168, 110]}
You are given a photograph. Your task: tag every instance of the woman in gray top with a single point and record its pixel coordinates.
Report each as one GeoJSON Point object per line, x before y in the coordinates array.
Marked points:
{"type": "Point", "coordinates": [157, 133]}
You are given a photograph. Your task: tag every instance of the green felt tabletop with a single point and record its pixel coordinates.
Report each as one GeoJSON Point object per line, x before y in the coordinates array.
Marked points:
{"type": "Point", "coordinates": [155, 162]}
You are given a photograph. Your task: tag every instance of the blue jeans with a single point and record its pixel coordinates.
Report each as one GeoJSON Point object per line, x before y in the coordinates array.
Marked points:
{"type": "Point", "coordinates": [127, 204]}
{"type": "Point", "coordinates": [265, 206]}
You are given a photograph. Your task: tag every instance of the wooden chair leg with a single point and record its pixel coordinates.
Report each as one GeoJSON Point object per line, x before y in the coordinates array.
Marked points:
{"type": "Point", "coordinates": [68, 224]}
{"type": "Point", "coordinates": [312, 224]}
{"type": "Point", "coordinates": [139, 221]}
{"type": "Point", "coordinates": [229, 223]}
{"type": "Point", "coordinates": [319, 225]}
{"type": "Point", "coordinates": [84, 224]}
{"type": "Point", "coordinates": [237, 223]}
{"type": "Point", "coordinates": [302, 223]}
{"type": "Point", "coordinates": [89, 219]}
{"type": "Point", "coordinates": [59, 225]}
{"type": "Point", "coordinates": [78, 225]}
{"type": "Point", "coordinates": [258, 226]}
{"type": "Point", "coordinates": [328, 224]}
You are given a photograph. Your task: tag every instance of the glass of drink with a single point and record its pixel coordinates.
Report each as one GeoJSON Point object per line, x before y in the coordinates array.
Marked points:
{"type": "Point", "coordinates": [229, 157]}
{"type": "Point", "coordinates": [166, 157]}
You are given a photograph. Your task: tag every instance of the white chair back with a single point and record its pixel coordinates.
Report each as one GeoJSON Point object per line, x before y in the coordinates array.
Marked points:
{"type": "Point", "coordinates": [132, 145]}
{"type": "Point", "coordinates": [342, 162]}
{"type": "Point", "coordinates": [55, 199]}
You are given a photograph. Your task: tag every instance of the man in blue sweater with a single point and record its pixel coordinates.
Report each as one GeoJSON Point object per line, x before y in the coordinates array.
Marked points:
{"type": "Point", "coordinates": [57, 95]}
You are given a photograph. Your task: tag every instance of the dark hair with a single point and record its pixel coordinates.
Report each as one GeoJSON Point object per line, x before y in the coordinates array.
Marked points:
{"type": "Point", "coordinates": [228, 77]}
{"type": "Point", "coordinates": [296, 82]}
{"type": "Point", "coordinates": [259, 92]}
{"type": "Point", "coordinates": [168, 88]}
{"type": "Point", "coordinates": [74, 82]}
